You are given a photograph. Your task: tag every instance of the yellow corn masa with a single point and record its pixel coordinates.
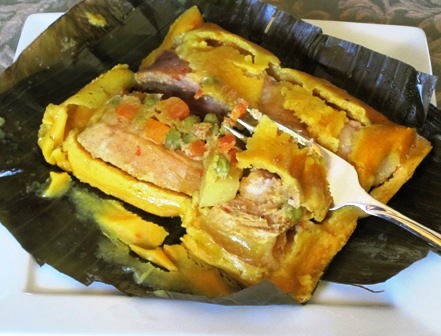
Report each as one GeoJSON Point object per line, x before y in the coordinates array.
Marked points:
{"type": "Point", "coordinates": [396, 142]}
{"type": "Point", "coordinates": [217, 246]}
{"type": "Point", "coordinates": [228, 72]}
{"type": "Point", "coordinates": [324, 122]}
{"type": "Point", "coordinates": [253, 250]}
{"type": "Point", "coordinates": [127, 231]}
{"type": "Point", "coordinates": [311, 251]}
{"type": "Point", "coordinates": [298, 168]}
{"type": "Point", "coordinates": [57, 140]}
{"type": "Point", "coordinates": [115, 182]}
{"type": "Point", "coordinates": [156, 256]}
{"type": "Point", "coordinates": [128, 227]}
{"type": "Point", "coordinates": [121, 225]}
{"type": "Point", "coordinates": [76, 111]}
{"type": "Point", "coordinates": [189, 20]}
{"type": "Point", "coordinates": [59, 184]}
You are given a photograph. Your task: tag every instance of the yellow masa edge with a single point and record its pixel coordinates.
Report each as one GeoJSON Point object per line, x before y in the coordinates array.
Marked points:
{"type": "Point", "coordinates": [57, 140]}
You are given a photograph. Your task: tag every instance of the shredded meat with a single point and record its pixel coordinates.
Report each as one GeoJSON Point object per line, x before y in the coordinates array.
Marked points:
{"type": "Point", "coordinates": [346, 140]}
{"type": "Point", "coordinates": [252, 225]}
{"type": "Point", "coordinates": [260, 202]}
{"type": "Point", "coordinates": [266, 188]}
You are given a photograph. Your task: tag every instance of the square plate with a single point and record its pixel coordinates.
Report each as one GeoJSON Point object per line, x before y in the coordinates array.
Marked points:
{"type": "Point", "coordinates": [36, 300]}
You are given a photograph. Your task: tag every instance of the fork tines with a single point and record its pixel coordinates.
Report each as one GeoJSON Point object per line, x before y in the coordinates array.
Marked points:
{"type": "Point", "coordinates": [255, 115]}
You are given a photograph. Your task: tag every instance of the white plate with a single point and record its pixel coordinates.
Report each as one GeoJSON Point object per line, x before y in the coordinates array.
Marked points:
{"type": "Point", "coordinates": [36, 300]}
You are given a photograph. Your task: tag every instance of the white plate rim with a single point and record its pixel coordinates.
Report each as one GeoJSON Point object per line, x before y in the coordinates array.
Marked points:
{"type": "Point", "coordinates": [402, 309]}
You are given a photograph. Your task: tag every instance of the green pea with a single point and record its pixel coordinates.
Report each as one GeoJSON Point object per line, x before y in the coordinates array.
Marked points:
{"type": "Point", "coordinates": [292, 213]}
{"type": "Point", "coordinates": [173, 139]}
{"type": "Point", "coordinates": [208, 80]}
{"type": "Point", "coordinates": [151, 99]}
{"type": "Point", "coordinates": [190, 121]}
{"type": "Point", "coordinates": [222, 167]}
{"type": "Point", "coordinates": [188, 138]}
{"type": "Point", "coordinates": [211, 118]}
{"type": "Point", "coordinates": [215, 129]}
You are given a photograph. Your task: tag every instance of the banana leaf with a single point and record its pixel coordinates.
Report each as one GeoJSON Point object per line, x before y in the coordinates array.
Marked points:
{"type": "Point", "coordinates": [72, 51]}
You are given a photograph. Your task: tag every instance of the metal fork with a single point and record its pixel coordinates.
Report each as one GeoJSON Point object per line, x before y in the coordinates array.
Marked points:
{"type": "Point", "coordinates": [344, 186]}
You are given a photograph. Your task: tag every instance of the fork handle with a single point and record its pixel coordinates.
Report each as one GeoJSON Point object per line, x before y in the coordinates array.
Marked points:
{"type": "Point", "coordinates": [383, 211]}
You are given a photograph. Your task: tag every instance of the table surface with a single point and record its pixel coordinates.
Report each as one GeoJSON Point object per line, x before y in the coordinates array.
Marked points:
{"type": "Point", "coordinates": [425, 14]}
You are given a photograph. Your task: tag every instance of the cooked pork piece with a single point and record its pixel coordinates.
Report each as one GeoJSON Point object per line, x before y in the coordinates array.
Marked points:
{"type": "Point", "coordinates": [120, 139]}
{"type": "Point", "coordinates": [142, 158]}
{"type": "Point", "coordinates": [271, 103]}
{"type": "Point", "coordinates": [253, 225]}
{"type": "Point", "coordinates": [169, 75]}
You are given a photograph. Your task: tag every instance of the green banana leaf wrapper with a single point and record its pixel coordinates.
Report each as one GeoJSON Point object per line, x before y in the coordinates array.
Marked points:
{"type": "Point", "coordinates": [72, 52]}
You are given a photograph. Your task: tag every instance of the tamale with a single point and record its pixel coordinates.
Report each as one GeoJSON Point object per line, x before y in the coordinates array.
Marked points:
{"type": "Point", "coordinates": [38, 90]}
{"type": "Point", "coordinates": [273, 225]}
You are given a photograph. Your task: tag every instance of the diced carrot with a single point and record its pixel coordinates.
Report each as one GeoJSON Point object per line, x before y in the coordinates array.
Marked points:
{"type": "Point", "coordinates": [127, 110]}
{"type": "Point", "coordinates": [233, 158]}
{"type": "Point", "coordinates": [197, 148]}
{"type": "Point", "coordinates": [199, 94]}
{"type": "Point", "coordinates": [175, 107]}
{"type": "Point", "coordinates": [156, 130]}
{"type": "Point", "coordinates": [226, 143]}
{"type": "Point", "coordinates": [238, 111]}
{"type": "Point", "coordinates": [138, 151]}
